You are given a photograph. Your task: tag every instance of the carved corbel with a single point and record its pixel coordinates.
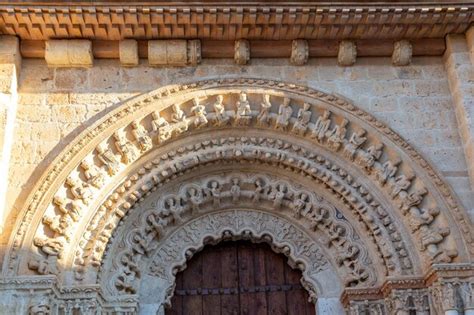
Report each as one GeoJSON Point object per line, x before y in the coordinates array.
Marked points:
{"type": "Point", "coordinates": [241, 51]}
{"type": "Point", "coordinates": [128, 52]}
{"type": "Point", "coordinates": [299, 52]}
{"type": "Point", "coordinates": [69, 53]}
{"type": "Point", "coordinates": [174, 52]}
{"type": "Point", "coordinates": [402, 53]}
{"type": "Point", "coordinates": [347, 53]}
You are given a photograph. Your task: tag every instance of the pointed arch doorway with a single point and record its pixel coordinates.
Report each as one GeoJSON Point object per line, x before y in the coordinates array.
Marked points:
{"type": "Point", "coordinates": [239, 278]}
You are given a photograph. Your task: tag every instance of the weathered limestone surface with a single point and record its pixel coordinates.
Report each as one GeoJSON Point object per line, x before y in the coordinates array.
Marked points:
{"type": "Point", "coordinates": [461, 82]}
{"type": "Point", "coordinates": [56, 104]}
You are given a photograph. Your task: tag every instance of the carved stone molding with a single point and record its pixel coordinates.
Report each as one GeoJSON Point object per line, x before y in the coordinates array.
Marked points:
{"type": "Point", "coordinates": [236, 20]}
{"type": "Point", "coordinates": [399, 205]}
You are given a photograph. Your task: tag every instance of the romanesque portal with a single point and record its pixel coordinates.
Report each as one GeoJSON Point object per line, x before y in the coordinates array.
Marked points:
{"type": "Point", "coordinates": [354, 208]}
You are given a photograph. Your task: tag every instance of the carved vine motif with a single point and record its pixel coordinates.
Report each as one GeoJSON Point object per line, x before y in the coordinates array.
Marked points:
{"type": "Point", "coordinates": [332, 137]}
{"type": "Point", "coordinates": [238, 190]}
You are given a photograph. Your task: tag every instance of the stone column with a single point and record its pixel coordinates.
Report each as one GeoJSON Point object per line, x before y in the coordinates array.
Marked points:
{"type": "Point", "coordinates": [10, 62]}
{"type": "Point", "coordinates": [329, 306]}
{"type": "Point", "coordinates": [460, 76]}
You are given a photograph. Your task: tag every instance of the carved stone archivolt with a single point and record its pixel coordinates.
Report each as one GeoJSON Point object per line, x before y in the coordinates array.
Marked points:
{"type": "Point", "coordinates": [397, 205]}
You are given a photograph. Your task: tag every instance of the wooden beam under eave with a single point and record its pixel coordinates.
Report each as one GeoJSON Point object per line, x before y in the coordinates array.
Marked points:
{"type": "Point", "coordinates": [109, 49]}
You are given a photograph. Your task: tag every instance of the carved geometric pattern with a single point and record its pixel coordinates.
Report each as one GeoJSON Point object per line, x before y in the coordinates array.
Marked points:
{"type": "Point", "coordinates": [234, 22]}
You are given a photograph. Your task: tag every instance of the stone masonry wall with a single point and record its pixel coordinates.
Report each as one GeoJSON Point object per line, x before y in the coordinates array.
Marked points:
{"type": "Point", "coordinates": [55, 105]}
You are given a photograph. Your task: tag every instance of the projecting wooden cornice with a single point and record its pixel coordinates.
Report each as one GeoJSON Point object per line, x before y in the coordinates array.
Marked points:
{"type": "Point", "coordinates": [226, 20]}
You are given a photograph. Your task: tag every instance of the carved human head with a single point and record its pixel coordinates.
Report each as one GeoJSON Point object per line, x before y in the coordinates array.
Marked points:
{"type": "Point", "coordinates": [59, 200]}
{"type": "Point", "coordinates": [220, 98]}
{"type": "Point", "coordinates": [176, 108]}
{"type": "Point", "coordinates": [39, 242]}
{"type": "Point", "coordinates": [47, 219]}
{"type": "Point", "coordinates": [306, 106]}
{"type": "Point", "coordinates": [101, 148]}
{"type": "Point", "coordinates": [86, 164]}
{"type": "Point", "coordinates": [214, 184]}
{"type": "Point", "coordinates": [196, 101]}
{"type": "Point", "coordinates": [135, 124]}
{"type": "Point", "coordinates": [286, 101]}
{"type": "Point", "coordinates": [71, 181]}
{"type": "Point", "coordinates": [243, 97]}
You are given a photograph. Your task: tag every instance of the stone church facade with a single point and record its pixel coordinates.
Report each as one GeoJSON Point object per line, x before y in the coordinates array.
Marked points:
{"type": "Point", "coordinates": [135, 134]}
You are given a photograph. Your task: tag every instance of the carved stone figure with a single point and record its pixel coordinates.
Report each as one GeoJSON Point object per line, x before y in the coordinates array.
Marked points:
{"type": "Point", "coordinates": [51, 247]}
{"type": "Point", "coordinates": [355, 141]}
{"type": "Point", "coordinates": [128, 151]}
{"type": "Point", "coordinates": [278, 194]}
{"type": "Point", "coordinates": [431, 236]}
{"type": "Point", "coordinates": [235, 190]}
{"type": "Point", "coordinates": [387, 171]}
{"type": "Point", "coordinates": [302, 120]}
{"type": "Point", "coordinates": [141, 135]}
{"type": "Point", "coordinates": [422, 217]}
{"type": "Point", "coordinates": [73, 212]}
{"type": "Point", "coordinates": [260, 189]}
{"type": "Point", "coordinates": [221, 117]}
{"type": "Point", "coordinates": [412, 199]}
{"type": "Point", "coordinates": [156, 223]}
{"type": "Point", "coordinates": [59, 224]}
{"type": "Point", "coordinates": [400, 183]}
{"type": "Point", "coordinates": [161, 127]}
{"type": "Point", "coordinates": [300, 205]}
{"type": "Point", "coordinates": [79, 190]}
{"type": "Point", "coordinates": [243, 112]}
{"type": "Point", "coordinates": [284, 114]}
{"type": "Point", "coordinates": [173, 206]}
{"type": "Point", "coordinates": [195, 198]}
{"type": "Point", "coordinates": [263, 118]}
{"type": "Point", "coordinates": [94, 175]}
{"type": "Point", "coordinates": [179, 118]}
{"type": "Point", "coordinates": [215, 193]}
{"type": "Point", "coordinates": [321, 126]}
{"type": "Point", "coordinates": [367, 158]}
{"type": "Point", "coordinates": [336, 135]}
{"type": "Point", "coordinates": [199, 111]}
{"type": "Point", "coordinates": [44, 266]}
{"type": "Point", "coordinates": [110, 160]}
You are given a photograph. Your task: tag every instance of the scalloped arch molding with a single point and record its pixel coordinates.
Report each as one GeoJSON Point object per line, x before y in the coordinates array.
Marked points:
{"type": "Point", "coordinates": [350, 203]}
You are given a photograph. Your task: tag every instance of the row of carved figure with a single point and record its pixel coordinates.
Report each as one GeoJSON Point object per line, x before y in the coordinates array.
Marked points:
{"type": "Point", "coordinates": [334, 138]}
{"type": "Point", "coordinates": [216, 194]}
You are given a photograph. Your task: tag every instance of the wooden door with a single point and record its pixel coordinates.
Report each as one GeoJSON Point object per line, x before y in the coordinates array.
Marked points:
{"type": "Point", "coordinates": [239, 278]}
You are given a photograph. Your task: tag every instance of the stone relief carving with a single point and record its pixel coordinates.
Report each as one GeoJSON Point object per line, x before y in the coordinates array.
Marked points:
{"type": "Point", "coordinates": [369, 156]}
{"type": "Point", "coordinates": [215, 193]}
{"type": "Point", "coordinates": [299, 52]}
